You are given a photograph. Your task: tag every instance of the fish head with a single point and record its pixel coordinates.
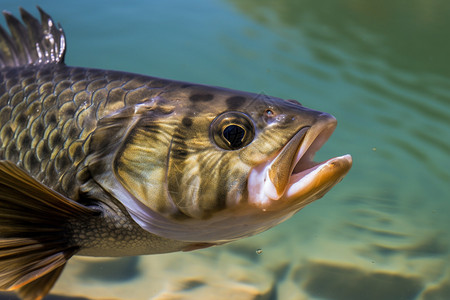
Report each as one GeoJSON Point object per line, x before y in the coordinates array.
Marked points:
{"type": "Point", "coordinates": [220, 165]}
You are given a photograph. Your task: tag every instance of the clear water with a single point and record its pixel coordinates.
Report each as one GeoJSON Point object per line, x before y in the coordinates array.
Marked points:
{"type": "Point", "coordinates": [381, 67]}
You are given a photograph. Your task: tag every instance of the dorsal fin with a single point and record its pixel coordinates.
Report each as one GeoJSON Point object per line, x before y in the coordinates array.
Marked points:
{"type": "Point", "coordinates": [31, 42]}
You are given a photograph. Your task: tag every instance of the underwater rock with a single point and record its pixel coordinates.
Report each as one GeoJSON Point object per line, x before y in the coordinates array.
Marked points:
{"type": "Point", "coordinates": [340, 282]}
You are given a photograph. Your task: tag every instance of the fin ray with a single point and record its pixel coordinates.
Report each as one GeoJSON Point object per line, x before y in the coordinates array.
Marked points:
{"type": "Point", "coordinates": [31, 42]}
{"type": "Point", "coordinates": [19, 38]}
{"type": "Point", "coordinates": [41, 286]}
{"type": "Point", "coordinates": [8, 50]}
{"type": "Point", "coordinates": [34, 246]}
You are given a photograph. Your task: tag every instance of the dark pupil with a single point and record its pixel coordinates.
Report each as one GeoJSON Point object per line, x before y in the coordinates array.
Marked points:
{"type": "Point", "coordinates": [234, 135]}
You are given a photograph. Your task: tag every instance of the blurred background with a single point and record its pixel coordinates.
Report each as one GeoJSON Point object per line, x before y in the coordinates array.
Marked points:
{"type": "Point", "coordinates": [382, 68]}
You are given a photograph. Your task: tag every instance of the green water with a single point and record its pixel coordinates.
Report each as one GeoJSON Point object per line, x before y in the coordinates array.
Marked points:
{"type": "Point", "coordinates": [381, 67]}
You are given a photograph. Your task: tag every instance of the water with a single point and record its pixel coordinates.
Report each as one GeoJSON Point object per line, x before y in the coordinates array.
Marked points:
{"type": "Point", "coordinates": [382, 68]}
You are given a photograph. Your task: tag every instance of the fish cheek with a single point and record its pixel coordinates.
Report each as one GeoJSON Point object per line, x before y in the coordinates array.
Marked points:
{"type": "Point", "coordinates": [208, 182]}
{"type": "Point", "coordinates": [140, 167]}
{"type": "Point", "coordinates": [192, 181]}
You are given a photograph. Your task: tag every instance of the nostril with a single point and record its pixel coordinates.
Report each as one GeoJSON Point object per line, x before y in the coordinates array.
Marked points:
{"type": "Point", "coordinates": [268, 113]}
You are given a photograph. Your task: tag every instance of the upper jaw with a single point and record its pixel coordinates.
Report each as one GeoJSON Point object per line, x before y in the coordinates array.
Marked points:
{"type": "Point", "coordinates": [293, 175]}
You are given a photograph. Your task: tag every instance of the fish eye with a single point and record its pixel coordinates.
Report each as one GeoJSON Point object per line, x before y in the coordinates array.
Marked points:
{"type": "Point", "coordinates": [234, 134]}
{"type": "Point", "coordinates": [232, 130]}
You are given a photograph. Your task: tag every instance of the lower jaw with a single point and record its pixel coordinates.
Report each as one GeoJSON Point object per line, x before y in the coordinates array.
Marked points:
{"type": "Point", "coordinates": [303, 187]}
{"type": "Point", "coordinates": [316, 181]}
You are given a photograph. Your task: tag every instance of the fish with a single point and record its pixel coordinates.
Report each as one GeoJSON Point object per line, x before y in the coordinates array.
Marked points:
{"type": "Point", "coordinates": [109, 163]}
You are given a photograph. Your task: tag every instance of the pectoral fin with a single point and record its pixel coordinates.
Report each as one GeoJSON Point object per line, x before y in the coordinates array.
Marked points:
{"type": "Point", "coordinates": [34, 246]}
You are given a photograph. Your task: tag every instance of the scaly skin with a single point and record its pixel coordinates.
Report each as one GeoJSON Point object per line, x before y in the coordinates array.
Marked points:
{"type": "Point", "coordinates": [48, 112]}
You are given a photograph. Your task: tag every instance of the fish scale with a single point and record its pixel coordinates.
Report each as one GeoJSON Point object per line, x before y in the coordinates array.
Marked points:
{"type": "Point", "coordinates": [49, 112]}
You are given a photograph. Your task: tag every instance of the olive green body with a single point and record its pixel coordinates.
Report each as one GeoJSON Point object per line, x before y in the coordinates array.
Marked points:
{"type": "Point", "coordinates": [47, 116]}
{"type": "Point", "coordinates": [145, 152]}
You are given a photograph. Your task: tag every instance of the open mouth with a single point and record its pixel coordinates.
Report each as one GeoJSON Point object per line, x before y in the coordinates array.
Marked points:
{"type": "Point", "coordinates": [293, 175]}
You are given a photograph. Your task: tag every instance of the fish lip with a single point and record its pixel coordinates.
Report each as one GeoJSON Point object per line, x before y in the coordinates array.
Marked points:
{"type": "Point", "coordinates": [281, 167]}
{"type": "Point", "coordinates": [314, 139]}
{"type": "Point", "coordinates": [305, 143]}
{"type": "Point", "coordinates": [311, 184]}
{"type": "Point", "coordinates": [307, 180]}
